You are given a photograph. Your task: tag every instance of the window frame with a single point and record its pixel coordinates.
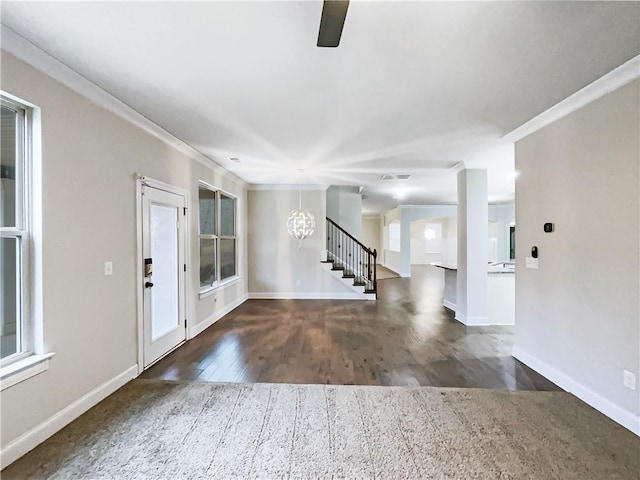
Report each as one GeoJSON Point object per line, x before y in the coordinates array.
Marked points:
{"type": "Point", "coordinates": [22, 229]}
{"type": "Point", "coordinates": [33, 359]}
{"type": "Point", "coordinates": [219, 282]}
{"type": "Point", "coordinates": [437, 240]}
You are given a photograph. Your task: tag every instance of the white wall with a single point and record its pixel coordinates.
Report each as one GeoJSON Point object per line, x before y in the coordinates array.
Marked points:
{"type": "Point", "coordinates": [90, 157]}
{"type": "Point", "coordinates": [390, 259]}
{"type": "Point", "coordinates": [372, 234]}
{"type": "Point", "coordinates": [503, 215]}
{"type": "Point", "coordinates": [577, 316]}
{"type": "Point", "coordinates": [500, 215]}
{"type": "Point", "coordinates": [419, 242]}
{"type": "Point", "coordinates": [450, 241]}
{"type": "Point", "coordinates": [344, 206]}
{"type": "Point", "coordinates": [492, 243]}
{"type": "Point", "coordinates": [278, 268]}
{"type": "Point", "coordinates": [406, 214]}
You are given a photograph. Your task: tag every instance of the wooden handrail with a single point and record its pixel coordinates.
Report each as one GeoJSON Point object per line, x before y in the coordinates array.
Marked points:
{"type": "Point", "coordinates": [367, 249]}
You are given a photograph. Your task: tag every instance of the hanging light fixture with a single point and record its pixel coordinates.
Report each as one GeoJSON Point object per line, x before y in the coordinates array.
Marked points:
{"type": "Point", "coordinates": [300, 223]}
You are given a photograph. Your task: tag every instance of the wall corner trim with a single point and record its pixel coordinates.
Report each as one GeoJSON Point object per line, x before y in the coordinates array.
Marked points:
{"type": "Point", "coordinates": [34, 437]}
{"type": "Point", "coordinates": [211, 319]}
{"type": "Point", "coordinates": [40, 59]}
{"type": "Point", "coordinates": [450, 305]}
{"type": "Point", "coordinates": [627, 419]}
{"type": "Point", "coordinates": [615, 79]}
{"type": "Point", "coordinates": [472, 321]}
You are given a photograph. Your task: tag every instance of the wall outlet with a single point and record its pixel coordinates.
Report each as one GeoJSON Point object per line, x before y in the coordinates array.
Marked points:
{"type": "Point", "coordinates": [108, 268]}
{"type": "Point", "coordinates": [531, 263]}
{"type": "Point", "coordinates": [629, 379]}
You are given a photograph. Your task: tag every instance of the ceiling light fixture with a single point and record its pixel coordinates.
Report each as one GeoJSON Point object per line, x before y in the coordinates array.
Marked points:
{"type": "Point", "coordinates": [300, 223]}
{"type": "Point", "coordinates": [399, 194]}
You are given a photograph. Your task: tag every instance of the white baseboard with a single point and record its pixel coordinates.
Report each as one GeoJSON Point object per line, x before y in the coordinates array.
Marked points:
{"type": "Point", "coordinates": [34, 437]}
{"type": "Point", "coordinates": [605, 406]}
{"type": "Point", "coordinates": [472, 321]}
{"type": "Point", "coordinates": [207, 322]}
{"type": "Point", "coordinates": [450, 305]}
{"type": "Point", "coordinates": [306, 296]}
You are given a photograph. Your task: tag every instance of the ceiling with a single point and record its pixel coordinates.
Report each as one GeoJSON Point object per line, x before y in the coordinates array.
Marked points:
{"type": "Point", "coordinates": [414, 87]}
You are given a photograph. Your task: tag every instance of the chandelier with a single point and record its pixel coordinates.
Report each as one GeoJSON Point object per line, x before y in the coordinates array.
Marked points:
{"type": "Point", "coordinates": [300, 222]}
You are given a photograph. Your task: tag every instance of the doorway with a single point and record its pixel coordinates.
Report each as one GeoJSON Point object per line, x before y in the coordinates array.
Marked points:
{"type": "Point", "coordinates": [162, 272]}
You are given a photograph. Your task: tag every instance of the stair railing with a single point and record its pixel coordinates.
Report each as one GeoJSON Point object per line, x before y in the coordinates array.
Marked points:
{"type": "Point", "coordinates": [348, 254]}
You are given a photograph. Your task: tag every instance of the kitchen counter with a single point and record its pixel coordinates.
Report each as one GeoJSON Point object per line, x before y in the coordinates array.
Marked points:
{"type": "Point", "coordinates": [497, 267]}
{"type": "Point", "coordinates": [500, 291]}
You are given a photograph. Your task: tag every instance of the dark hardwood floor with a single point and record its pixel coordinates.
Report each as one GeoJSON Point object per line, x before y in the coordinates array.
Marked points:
{"type": "Point", "coordinates": [406, 337]}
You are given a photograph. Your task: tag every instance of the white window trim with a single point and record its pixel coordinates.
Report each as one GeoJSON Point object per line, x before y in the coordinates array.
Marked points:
{"type": "Point", "coordinates": [207, 291]}
{"type": "Point", "coordinates": [24, 369]}
{"type": "Point", "coordinates": [34, 359]}
{"type": "Point", "coordinates": [204, 293]}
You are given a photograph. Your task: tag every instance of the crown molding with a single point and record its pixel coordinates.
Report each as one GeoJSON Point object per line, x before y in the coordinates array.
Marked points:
{"type": "Point", "coordinates": [615, 79]}
{"type": "Point", "coordinates": [38, 58]}
{"type": "Point", "coordinates": [295, 187]}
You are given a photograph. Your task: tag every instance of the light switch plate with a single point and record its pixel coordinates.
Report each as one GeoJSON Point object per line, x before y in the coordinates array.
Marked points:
{"type": "Point", "coordinates": [532, 263]}
{"type": "Point", "coordinates": [108, 268]}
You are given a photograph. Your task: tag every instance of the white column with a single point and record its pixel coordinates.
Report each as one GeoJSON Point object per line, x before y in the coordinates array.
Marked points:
{"type": "Point", "coordinates": [473, 230]}
{"type": "Point", "coordinates": [405, 245]}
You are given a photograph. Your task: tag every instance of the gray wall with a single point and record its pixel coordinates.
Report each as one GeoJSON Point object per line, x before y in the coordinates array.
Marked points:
{"type": "Point", "coordinates": [89, 159]}
{"type": "Point", "coordinates": [278, 268]}
{"type": "Point", "coordinates": [578, 314]}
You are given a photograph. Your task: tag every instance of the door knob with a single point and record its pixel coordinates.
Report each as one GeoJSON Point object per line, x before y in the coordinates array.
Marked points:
{"type": "Point", "coordinates": [148, 285]}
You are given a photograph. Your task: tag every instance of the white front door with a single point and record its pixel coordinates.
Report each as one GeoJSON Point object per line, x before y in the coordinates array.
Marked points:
{"type": "Point", "coordinates": [163, 251]}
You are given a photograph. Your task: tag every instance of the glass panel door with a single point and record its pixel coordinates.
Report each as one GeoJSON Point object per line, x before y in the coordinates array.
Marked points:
{"type": "Point", "coordinates": [163, 249]}
{"type": "Point", "coordinates": [164, 252]}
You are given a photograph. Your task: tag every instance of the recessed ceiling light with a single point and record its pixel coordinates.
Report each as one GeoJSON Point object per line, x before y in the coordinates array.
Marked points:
{"type": "Point", "coordinates": [394, 176]}
{"type": "Point", "coordinates": [234, 159]}
{"type": "Point", "coordinates": [399, 195]}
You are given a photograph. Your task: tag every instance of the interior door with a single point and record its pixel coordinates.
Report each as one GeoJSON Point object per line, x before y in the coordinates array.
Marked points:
{"type": "Point", "coordinates": [163, 248]}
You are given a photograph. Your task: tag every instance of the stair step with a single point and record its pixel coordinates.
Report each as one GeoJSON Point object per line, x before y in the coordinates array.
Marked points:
{"type": "Point", "coordinates": [348, 275]}
{"type": "Point", "coordinates": [327, 261]}
{"type": "Point", "coordinates": [369, 291]}
{"type": "Point", "coordinates": [337, 267]}
{"type": "Point", "coordinates": [359, 284]}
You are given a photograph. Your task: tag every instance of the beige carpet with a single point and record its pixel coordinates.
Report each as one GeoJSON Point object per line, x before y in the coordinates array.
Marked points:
{"type": "Point", "coordinates": [153, 429]}
{"type": "Point", "coordinates": [383, 273]}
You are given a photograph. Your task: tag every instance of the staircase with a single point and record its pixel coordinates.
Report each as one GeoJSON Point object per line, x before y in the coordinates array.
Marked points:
{"type": "Point", "coordinates": [349, 258]}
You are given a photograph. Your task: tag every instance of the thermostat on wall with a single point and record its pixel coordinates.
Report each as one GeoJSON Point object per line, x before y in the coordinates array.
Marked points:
{"type": "Point", "coordinates": [548, 227]}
